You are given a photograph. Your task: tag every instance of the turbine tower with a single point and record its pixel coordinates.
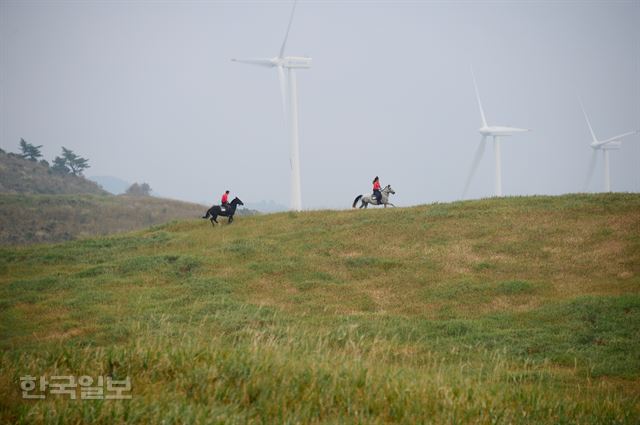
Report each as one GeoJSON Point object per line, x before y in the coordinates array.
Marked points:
{"type": "Point", "coordinates": [289, 94]}
{"type": "Point", "coordinates": [605, 146]}
{"type": "Point", "coordinates": [496, 132]}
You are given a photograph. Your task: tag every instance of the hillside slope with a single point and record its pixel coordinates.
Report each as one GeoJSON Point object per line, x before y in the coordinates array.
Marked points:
{"type": "Point", "coordinates": [515, 310]}
{"type": "Point", "coordinates": [19, 175]}
{"type": "Point", "coordinates": [26, 219]}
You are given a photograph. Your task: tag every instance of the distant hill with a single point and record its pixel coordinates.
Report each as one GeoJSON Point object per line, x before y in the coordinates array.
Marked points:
{"type": "Point", "coordinates": [18, 175]}
{"type": "Point", "coordinates": [111, 184]}
{"type": "Point", "coordinates": [29, 218]}
{"type": "Point", "coordinates": [39, 205]}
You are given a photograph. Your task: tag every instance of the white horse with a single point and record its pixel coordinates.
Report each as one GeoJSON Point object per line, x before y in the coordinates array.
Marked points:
{"type": "Point", "coordinates": [373, 201]}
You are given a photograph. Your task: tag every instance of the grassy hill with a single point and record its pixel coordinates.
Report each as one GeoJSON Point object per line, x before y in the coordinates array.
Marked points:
{"type": "Point", "coordinates": [516, 310]}
{"type": "Point", "coordinates": [19, 175]}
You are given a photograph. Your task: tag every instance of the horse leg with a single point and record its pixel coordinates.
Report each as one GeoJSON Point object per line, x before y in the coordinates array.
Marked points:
{"type": "Point", "coordinates": [390, 204]}
{"type": "Point", "coordinates": [230, 219]}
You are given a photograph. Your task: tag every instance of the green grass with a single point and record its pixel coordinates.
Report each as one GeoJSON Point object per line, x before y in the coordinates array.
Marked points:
{"type": "Point", "coordinates": [516, 310]}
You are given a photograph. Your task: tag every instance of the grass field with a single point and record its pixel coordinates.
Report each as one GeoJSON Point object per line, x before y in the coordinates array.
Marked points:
{"type": "Point", "coordinates": [515, 310]}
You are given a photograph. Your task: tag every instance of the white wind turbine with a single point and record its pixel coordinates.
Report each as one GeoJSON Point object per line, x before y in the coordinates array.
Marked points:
{"type": "Point", "coordinates": [289, 93]}
{"type": "Point", "coordinates": [486, 131]}
{"type": "Point", "coordinates": [605, 146]}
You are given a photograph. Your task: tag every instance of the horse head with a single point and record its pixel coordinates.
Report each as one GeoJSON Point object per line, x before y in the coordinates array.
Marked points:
{"type": "Point", "coordinates": [389, 190]}
{"type": "Point", "coordinates": [237, 201]}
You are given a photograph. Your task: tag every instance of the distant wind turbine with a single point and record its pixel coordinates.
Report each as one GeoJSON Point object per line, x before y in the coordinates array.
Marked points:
{"type": "Point", "coordinates": [289, 94]}
{"type": "Point", "coordinates": [496, 132]}
{"type": "Point", "coordinates": [605, 146]}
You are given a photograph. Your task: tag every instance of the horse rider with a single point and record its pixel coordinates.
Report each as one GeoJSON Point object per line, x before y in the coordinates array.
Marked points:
{"type": "Point", "coordinates": [376, 190]}
{"type": "Point", "coordinates": [224, 202]}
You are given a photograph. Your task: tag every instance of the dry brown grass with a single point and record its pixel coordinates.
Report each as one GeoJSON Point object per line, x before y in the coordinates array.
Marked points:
{"type": "Point", "coordinates": [26, 219]}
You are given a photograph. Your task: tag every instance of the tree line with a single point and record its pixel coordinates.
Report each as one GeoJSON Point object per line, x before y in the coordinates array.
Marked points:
{"type": "Point", "coordinates": [68, 162]}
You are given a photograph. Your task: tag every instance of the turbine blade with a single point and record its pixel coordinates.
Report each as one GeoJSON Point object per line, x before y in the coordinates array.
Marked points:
{"type": "Point", "coordinates": [283, 92]}
{"type": "Point", "coordinates": [595, 140]}
{"type": "Point", "coordinates": [474, 164]}
{"type": "Point", "coordinates": [286, 36]}
{"type": "Point", "coordinates": [475, 85]}
{"type": "Point", "coordinates": [256, 61]}
{"type": "Point", "coordinates": [591, 169]}
{"type": "Point", "coordinates": [618, 137]}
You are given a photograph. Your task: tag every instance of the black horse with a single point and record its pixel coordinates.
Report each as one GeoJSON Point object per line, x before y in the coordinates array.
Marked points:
{"type": "Point", "coordinates": [217, 210]}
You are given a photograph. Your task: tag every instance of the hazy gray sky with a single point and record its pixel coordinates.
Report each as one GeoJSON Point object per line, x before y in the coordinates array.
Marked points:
{"type": "Point", "coordinates": [147, 91]}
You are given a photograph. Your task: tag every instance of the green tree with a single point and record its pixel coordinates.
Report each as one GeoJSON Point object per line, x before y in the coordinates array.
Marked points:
{"type": "Point", "coordinates": [60, 166]}
{"type": "Point", "coordinates": [73, 162]}
{"type": "Point", "coordinates": [29, 151]}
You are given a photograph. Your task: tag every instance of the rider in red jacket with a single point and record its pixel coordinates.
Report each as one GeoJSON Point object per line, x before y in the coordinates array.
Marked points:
{"type": "Point", "coordinates": [376, 190]}
{"type": "Point", "coordinates": [225, 199]}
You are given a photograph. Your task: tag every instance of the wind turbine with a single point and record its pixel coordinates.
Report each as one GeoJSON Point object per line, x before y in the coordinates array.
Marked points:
{"type": "Point", "coordinates": [489, 131]}
{"type": "Point", "coordinates": [605, 146]}
{"type": "Point", "coordinates": [289, 94]}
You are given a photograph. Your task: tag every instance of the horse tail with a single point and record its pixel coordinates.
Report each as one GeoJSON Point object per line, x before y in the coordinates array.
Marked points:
{"type": "Point", "coordinates": [355, 201]}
